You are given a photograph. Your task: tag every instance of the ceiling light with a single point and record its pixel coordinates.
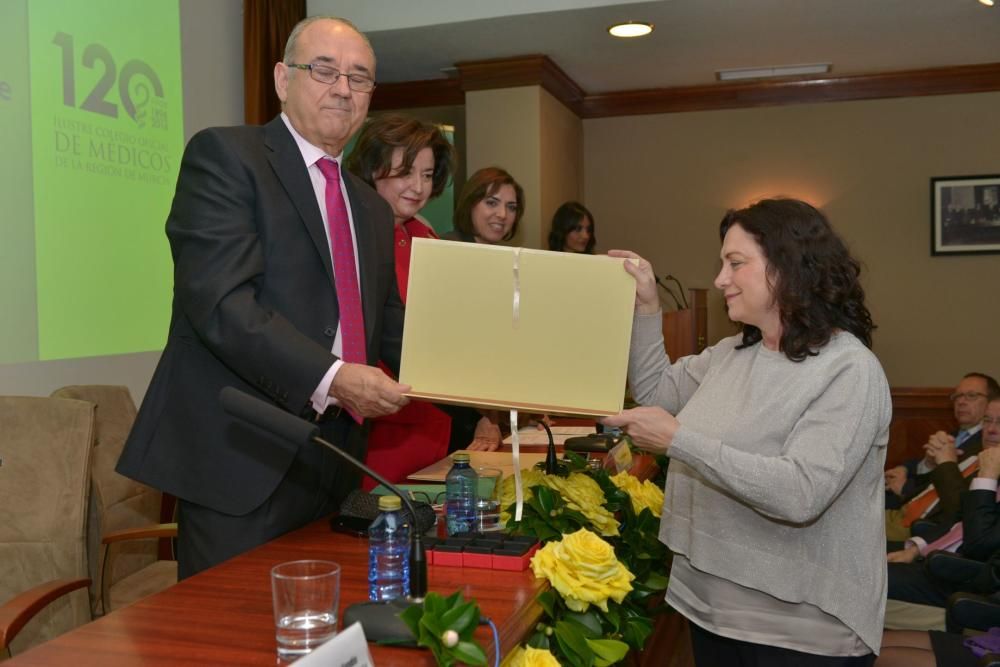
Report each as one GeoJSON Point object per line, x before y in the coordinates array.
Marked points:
{"type": "Point", "coordinates": [631, 29]}
{"type": "Point", "coordinates": [988, 3]}
{"type": "Point", "coordinates": [771, 72]}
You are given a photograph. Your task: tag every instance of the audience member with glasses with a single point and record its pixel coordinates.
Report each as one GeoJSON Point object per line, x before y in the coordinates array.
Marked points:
{"type": "Point", "coordinates": [923, 497]}
{"type": "Point", "coordinates": [968, 403]}
{"type": "Point", "coordinates": [284, 289]}
{"type": "Point", "coordinates": [409, 162]}
{"type": "Point", "coordinates": [976, 537]}
{"type": "Point", "coordinates": [573, 229]}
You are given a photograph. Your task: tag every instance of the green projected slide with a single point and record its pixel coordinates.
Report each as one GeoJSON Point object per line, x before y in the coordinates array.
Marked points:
{"type": "Point", "coordinates": [91, 120]}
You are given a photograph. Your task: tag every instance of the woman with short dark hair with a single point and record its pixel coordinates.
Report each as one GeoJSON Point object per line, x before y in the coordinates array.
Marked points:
{"type": "Point", "coordinates": [773, 500]}
{"type": "Point", "coordinates": [573, 229]}
{"type": "Point", "coordinates": [409, 162]}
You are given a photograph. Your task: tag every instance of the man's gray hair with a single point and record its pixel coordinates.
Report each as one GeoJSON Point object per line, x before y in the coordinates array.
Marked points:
{"type": "Point", "coordinates": [293, 38]}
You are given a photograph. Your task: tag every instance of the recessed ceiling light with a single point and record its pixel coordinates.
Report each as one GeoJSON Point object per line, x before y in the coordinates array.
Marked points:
{"type": "Point", "coordinates": [771, 72]}
{"type": "Point", "coordinates": [631, 29]}
{"type": "Point", "coordinates": [988, 3]}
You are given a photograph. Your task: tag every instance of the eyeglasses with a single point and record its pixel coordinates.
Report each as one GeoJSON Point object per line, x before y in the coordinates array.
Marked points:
{"type": "Point", "coordinates": [330, 75]}
{"type": "Point", "coordinates": [967, 395]}
{"type": "Point", "coordinates": [991, 422]}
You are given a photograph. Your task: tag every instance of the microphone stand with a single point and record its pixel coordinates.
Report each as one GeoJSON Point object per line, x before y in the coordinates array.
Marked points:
{"type": "Point", "coordinates": [380, 619]}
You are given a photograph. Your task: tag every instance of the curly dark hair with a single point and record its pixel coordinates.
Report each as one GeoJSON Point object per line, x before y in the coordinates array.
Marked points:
{"type": "Point", "coordinates": [813, 277]}
{"type": "Point", "coordinates": [565, 220]}
{"type": "Point", "coordinates": [481, 185]}
{"type": "Point", "coordinates": [371, 158]}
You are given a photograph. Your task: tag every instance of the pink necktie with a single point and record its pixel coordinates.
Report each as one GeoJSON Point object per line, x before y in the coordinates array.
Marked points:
{"type": "Point", "coordinates": [345, 275]}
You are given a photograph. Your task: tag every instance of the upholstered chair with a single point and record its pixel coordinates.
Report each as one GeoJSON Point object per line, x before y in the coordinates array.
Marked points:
{"type": "Point", "coordinates": [124, 515]}
{"type": "Point", "coordinates": [45, 446]}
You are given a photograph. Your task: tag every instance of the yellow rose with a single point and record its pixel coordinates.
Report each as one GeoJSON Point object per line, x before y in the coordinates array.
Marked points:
{"type": "Point", "coordinates": [530, 657]}
{"type": "Point", "coordinates": [643, 494]}
{"type": "Point", "coordinates": [584, 495]}
{"type": "Point", "coordinates": [529, 478]}
{"type": "Point", "coordinates": [584, 570]}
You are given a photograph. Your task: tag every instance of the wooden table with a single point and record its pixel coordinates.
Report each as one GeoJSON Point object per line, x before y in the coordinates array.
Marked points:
{"type": "Point", "coordinates": [223, 615]}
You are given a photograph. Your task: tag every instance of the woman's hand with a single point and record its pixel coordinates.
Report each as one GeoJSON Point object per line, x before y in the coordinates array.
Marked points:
{"type": "Point", "coordinates": [647, 300]}
{"type": "Point", "coordinates": [486, 438]}
{"type": "Point", "coordinates": [650, 428]}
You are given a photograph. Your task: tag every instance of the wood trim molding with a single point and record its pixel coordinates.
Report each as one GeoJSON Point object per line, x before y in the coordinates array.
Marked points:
{"type": "Point", "coordinates": [531, 70]}
{"type": "Point", "coordinates": [540, 70]}
{"type": "Point", "coordinates": [409, 94]}
{"type": "Point", "coordinates": [911, 83]}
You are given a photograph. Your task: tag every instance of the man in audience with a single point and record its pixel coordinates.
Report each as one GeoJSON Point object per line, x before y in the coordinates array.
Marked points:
{"type": "Point", "coordinates": [976, 536]}
{"type": "Point", "coordinates": [944, 472]}
{"type": "Point", "coordinates": [283, 288]}
{"type": "Point", "coordinates": [968, 401]}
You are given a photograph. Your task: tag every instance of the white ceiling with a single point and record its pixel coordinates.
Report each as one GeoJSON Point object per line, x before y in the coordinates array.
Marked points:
{"type": "Point", "coordinates": [421, 39]}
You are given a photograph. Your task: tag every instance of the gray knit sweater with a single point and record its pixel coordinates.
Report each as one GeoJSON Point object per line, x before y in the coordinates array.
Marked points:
{"type": "Point", "coordinates": [776, 473]}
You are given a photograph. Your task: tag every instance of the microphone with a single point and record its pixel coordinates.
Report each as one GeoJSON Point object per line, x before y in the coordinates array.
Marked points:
{"type": "Point", "coordinates": [380, 620]}
{"type": "Point", "coordinates": [680, 288]}
{"type": "Point", "coordinates": [668, 291]}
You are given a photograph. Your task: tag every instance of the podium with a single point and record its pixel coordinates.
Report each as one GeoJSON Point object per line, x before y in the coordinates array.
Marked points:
{"type": "Point", "coordinates": [685, 331]}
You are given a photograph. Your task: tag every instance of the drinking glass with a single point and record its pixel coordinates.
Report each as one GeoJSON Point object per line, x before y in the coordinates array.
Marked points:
{"type": "Point", "coordinates": [306, 596]}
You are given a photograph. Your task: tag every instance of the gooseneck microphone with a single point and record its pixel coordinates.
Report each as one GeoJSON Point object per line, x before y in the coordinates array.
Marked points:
{"type": "Point", "coordinates": [286, 425]}
{"type": "Point", "coordinates": [668, 291]}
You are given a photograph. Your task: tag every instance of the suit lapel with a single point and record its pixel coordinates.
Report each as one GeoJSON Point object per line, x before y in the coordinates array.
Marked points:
{"type": "Point", "coordinates": [291, 171]}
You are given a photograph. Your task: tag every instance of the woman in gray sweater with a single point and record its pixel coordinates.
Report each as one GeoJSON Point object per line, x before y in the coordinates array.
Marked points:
{"type": "Point", "coordinates": [774, 496]}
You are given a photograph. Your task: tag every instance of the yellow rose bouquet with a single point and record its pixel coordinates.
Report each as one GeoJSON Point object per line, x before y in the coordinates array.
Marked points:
{"type": "Point", "coordinates": [584, 569]}
{"type": "Point", "coordinates": [601, 555]}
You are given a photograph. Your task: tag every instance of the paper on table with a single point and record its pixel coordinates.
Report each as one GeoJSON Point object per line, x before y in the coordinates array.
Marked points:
{"type": "Point", "coordinates": [436, 472]}
{"type": "Point", "coordinates": [516, 328]}
{"type": "Point", "coordinates": [530, 435]}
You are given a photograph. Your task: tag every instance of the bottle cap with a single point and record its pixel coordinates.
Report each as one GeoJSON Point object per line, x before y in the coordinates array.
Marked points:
{"type": "Point", "coordinates": [458, 457]}
{"type": "Point", "coordinates": [389, 503]}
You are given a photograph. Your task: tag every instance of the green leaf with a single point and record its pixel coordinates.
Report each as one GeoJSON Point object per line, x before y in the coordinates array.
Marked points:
{"type": "Point", "coordinates": [538, 640]}
{"type": "Point", "coordinates": [573, 643]}
{"type": "Point", "coordinates": [433, 624]}
{"type": "Point", "coordinates": [546, 499]}
{"type": "Point", "coordinates": [463, 618]}
{"type": "Point", "coordinates": [470, 653]}
{"type": "Point", "coordinates": [607, 651]}
{"type": "Point", "coordinates": [636, 630]}
{"type": "Point", "coordinates": [435, 604]}
{"type": "Point", "coordinates": [656, 581]}
{"type": "Point", "coordinates": [547, 600]}
{"type": "Point", "coordinates": [412, 618]}
{"type": "Point", "coordinates": [589, 621]}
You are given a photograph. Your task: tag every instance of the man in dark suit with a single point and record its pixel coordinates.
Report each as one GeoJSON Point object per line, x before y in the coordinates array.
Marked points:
{"type": "Point", "coordinates": [969, 400]}
{"type": "Point", "coordinates": [284, 288]}
{"type": "Point", "coordinates": [977, 536]}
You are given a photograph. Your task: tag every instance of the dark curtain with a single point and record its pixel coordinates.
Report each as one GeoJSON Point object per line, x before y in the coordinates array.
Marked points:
{"type": "Point", "coordinates": [266, 26]}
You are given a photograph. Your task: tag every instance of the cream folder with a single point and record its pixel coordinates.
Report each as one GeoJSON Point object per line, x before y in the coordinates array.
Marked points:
{"type": "Point", "coordinates": [516, 328]}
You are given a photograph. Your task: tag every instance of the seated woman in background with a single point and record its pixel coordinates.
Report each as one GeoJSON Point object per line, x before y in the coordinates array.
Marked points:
{"type": "Point", "coordinates": [573, 229]}
{"type": "Point", "coordinates": [408, 162]}
{"type": "Point", "coordinates": [489, 208]}
{"type": "Point", "coordinates": [773, 499]}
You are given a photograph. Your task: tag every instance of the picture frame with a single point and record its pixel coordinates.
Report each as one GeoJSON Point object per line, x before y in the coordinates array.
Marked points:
{"type": "Point", "coordinates": [965, 215]}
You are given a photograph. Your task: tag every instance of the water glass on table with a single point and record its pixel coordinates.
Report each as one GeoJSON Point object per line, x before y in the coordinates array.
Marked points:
{"type": "Point", "coordinates": [306, 596]}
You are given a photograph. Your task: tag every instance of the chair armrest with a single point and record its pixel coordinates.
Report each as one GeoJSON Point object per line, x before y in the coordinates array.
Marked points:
{"type": "Point", "coordinates": [154, 530]}
{"type": "Point", "coordinates": [953, 568]}
{"type": "Point", "coordinates": [18, 611]}
{"type": "Point", "coordinates": [968, 610]}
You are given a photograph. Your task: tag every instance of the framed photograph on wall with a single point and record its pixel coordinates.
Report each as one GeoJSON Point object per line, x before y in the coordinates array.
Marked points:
{"type": "Point", "coordinates": [965, 215]}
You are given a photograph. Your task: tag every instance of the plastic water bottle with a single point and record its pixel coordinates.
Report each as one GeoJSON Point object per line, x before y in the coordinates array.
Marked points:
{"type": "Point", "coordinates": [389, 552]}
{"type": "Point", "coordinates": [460, 495]}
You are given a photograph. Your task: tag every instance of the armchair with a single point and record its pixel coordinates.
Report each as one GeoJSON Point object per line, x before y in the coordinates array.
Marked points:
{"type": "Point", "coordinates": [45, 475]}
{"type": "Point", "coordinates": [123, 517]}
